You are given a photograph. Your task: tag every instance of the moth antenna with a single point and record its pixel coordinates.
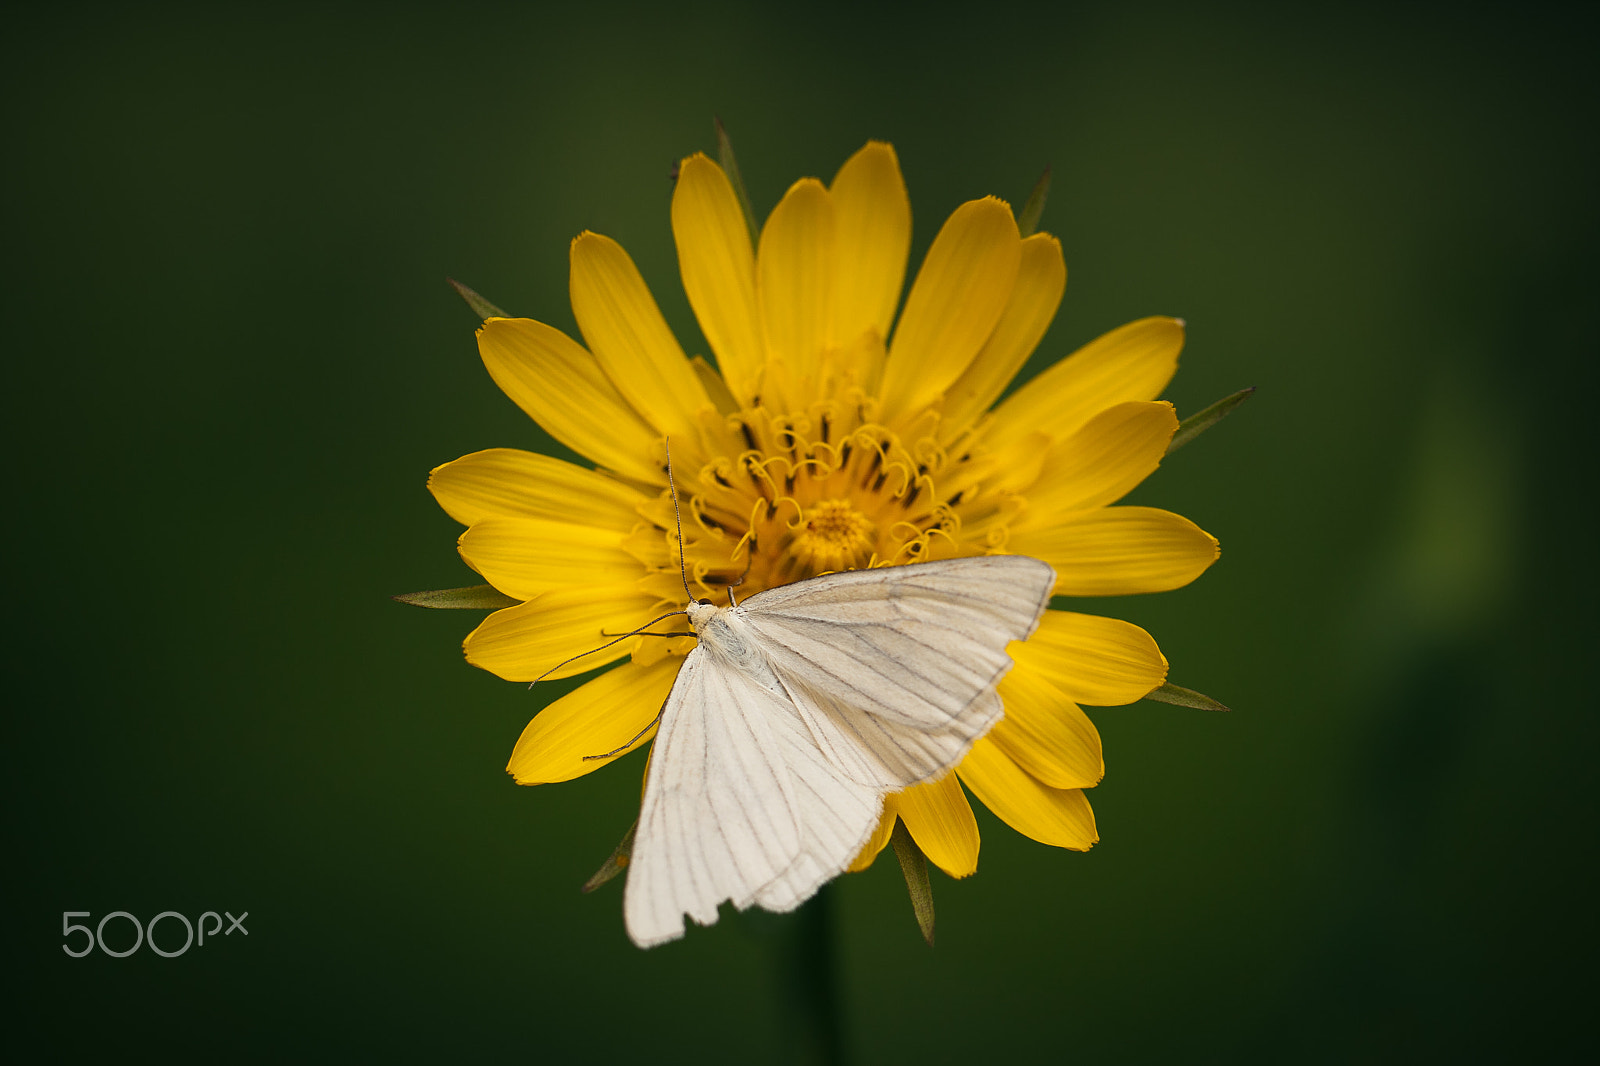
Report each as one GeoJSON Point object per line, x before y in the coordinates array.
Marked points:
{"type": "Point", "coordinates": [677, 518]}
{"type": "Point", "coordinates": [603, 647]}
{"type": "Point", "coordinates": [631, 743]}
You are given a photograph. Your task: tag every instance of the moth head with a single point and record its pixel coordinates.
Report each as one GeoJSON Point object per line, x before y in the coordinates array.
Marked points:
{"type": "Point", "coordinates": [700, 612]}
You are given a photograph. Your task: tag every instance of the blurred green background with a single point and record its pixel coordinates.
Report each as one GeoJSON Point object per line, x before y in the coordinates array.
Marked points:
{"type": "Point", "coordinates": [231, 359]}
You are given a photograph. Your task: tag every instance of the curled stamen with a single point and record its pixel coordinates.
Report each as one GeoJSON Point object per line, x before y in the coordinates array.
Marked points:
{"type": "Point", "coordinates": [797, 493]}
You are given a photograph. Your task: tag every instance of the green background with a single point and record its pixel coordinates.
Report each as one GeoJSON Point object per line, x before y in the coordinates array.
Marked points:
{"type": "Point", "coordinates": [231, 359]}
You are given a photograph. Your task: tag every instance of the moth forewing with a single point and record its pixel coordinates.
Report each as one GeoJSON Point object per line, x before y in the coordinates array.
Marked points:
{"type": "Point", "coordinates": [735, 797]}
{"type": "Point", "coordinates": [912, 645]}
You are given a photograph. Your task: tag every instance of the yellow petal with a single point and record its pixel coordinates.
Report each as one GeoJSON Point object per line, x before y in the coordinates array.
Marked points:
{"type": "Point", "coordinates": [1019, 466]}
{"type": "Point", "coordinates": [1099, 464]}
{"type": "Point", "coordinates": [1058, 816]}
{"type": "Point", "coordinates": [1047, 734]}
{"type": "Point", "coordinates": [963, 286]}
{"type": "Point", "coordinates": [593, 719]}
{"type": "Point", "coordinates": [940, 821]}
{"type": "Point", "coordinates": [1133, 362]}
{"type": "Point", "coordinates": [873, 214]}
{"type": "Point", "coordinates": [716, 386]}
{"type": "Point", "coordinates": [1104, 662]}
{"type": "Point", "coordinates": [719, 269]}
{"type": "Point", "coordinates": [794, 277]}
{"type": "Point", "coordinates": [520, 643]}
{"type": "Point", "coordinates": [880, 837]}
{"type": "Point", "coordinates": [562, 388]}
{"type": "Point", "coordinates": [1041, 279]}
{"type": "Point", "coordinates": [862, 360]}
{"type": "Point", "coordinates": [628, 336]}
{"type": "Point", "coordinates": [1120, 551]}
{"type": "Point", "coordinates": [506, 482]}
{"type": "Point", "coordinates": [523, 557]}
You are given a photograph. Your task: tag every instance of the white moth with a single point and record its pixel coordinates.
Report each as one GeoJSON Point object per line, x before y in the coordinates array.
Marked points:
{"type": "Point", "coordinates": [799, 710]}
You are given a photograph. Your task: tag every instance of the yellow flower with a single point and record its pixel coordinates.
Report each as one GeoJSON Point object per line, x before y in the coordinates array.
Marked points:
{"type": "Point", "coordinates": [813, 445]}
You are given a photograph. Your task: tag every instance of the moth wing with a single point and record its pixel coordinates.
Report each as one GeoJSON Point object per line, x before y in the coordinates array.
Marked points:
{"type": "Point", "coordinates": [894, 668]}
{"type": "Point", "coordinates": [718, 819]}
{"type": "Point", "coordinates": [890, 756]}
{"type": "Point", "coordinates": [837, 814]}
{"type": "Point", "coordinates": [739, 805]}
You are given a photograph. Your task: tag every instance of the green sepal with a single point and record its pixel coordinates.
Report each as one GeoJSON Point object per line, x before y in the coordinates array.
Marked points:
{"type": "Point", "coordinates": [1184, 697]}
{"type": "Point", "coordinates": [730, 167]}
{"type": "Point", "coordinates": [614, 865]}
{"type": "Point", "coordinates": [481, 307]}
{"type": "Point", "coordinates": [914, 865]}
{"type": "Point", "coordinates": [471, 598]}
{"type": "Point", "coordinates": [1033, 210]}
{"type": "Point", "coordinates": [1196, 424]}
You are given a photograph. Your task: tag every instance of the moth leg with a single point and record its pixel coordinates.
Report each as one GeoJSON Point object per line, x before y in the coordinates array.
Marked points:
{"type": "Point", "coordinates": [749, 560]}
{"type": "Point", "coordinates": [642, 732]}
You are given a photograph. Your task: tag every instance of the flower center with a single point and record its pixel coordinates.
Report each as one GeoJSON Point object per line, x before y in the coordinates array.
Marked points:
{"type": "Point", "coordinates": [776, 498]}
{"type": "Point", "coordinates": [833, 535]}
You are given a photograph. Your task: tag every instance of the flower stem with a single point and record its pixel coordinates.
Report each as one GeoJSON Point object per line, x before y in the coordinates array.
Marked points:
{"type": "Point", "coordinates": [807, 969]}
